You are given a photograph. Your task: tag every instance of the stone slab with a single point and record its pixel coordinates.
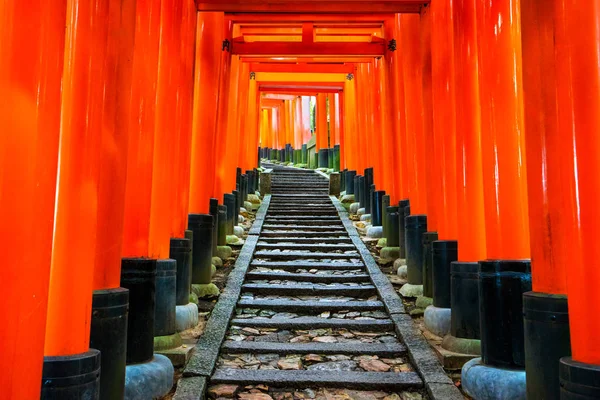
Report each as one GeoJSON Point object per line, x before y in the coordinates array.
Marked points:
{"type": "Point", "coordinates": [203, 360]}
{"type": "Point", "coordinates": [191, 388]}
{"type": "Point", "coordinates": [376, 325]}
{"type": "Point", "coordinates": [335, 379]}
{"type": "Point", "coordinates": [315, 306]}
{"type": "Point", "coordinates": [312, 289]}
{"type": "Point", "coordinates": [299, 233]}
{"type": "Point", "coordinates": [307, 277]}
{"type": "Point", "coordinates": [179, 356]}
{"type": "Point", "coordinates": [305, 246]}
{"type": "Point", "coordinates": [389, 350]}
{"type": "Point", "coordinates": [300, 255]}
{"type": "Point", "coordinates": [301, 240]}
{"type": "Point", "coordinates": [308, 265]}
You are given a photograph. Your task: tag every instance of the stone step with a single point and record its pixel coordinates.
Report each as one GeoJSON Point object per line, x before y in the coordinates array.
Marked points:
{"type": "Point", "coordinates": [308, 290]}
{"type": "Point", "coordinates": [309, 305]}
{"type": "Point", "coordinates": [332, 379]}
{"type": "Point", "coordinates": [301, 255]}
{"type": "Point", "coordinates": [293, 265]}
{"type": "Point", "coordinates": [304, 217]}
{"type": "Point", "coordinates": [302, 234]}
{"type": "Point", "coordinates": [305, 212]}
{"type": "Point", "coordinates": [314, 228]}
{"type": "Point", "coordinates": [374, 325]}
{"type": "Point", "coordinates": [318, 278]}
{"type": "Point", "coordinates": [305, 246]}
{"type": "Point", "coordinates": [305, 240]}
{"type": "Point", "coordinates": [386, 350]}
{"type": "Point", "coordinates": [336, 223]}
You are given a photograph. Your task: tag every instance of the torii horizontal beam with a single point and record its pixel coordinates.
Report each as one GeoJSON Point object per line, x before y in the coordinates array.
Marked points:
{"type": "Point", "coordinates": [311, 6]}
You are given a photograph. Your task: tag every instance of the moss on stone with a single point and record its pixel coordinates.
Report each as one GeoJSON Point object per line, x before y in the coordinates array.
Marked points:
{"type": "Point", "coordinates": [216, 261]}
{"type": "Point", "coordinates": [206, 290]}
{"type": "Point", "coordinates": [224, 252]}
{"type": "Point", "coordinates": [167, 342]}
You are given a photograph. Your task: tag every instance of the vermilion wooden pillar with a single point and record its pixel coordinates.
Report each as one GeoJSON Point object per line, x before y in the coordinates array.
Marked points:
{"type": "Point", "coordinates": [412, 74]}
{"type": "Point", "coordinates": [241, 130]}
{"type": "Point", "coordinates": [375, 132]}
{"type": "Point", "coordinates": [503, 140]}
{"type": "Point", "coordinates": [206, 101]}
{"type": "Point", "coordinates": [362, 119]}
{"type": "Point", "coordinates": [546, 343]}
{"type": "Point", "coordinates": [505, 202]}
{"type": "Point", "coordinates": [229, 158]}
{"type": "Point", "coordinates": [471, 234]}
{"type": "Point", "coordinates": [222, 116]}
{"type": "Point", "coordinates": [350, 148]}
{"type": "Point", "coordinates": [577, 27]}
{"type": "Point", "coordinates": [444, 123]}
{"type": "Point", "coordinates": [339, 98]}
{"type": "Point", "coordinates": [165, 137]}
{"type": "Point", "coordinates": [31, 66]}
{"type": "Point", "coordinates": [425, 145]}
{"type": "Point", "coordinates": [136, 229]}
{"type": "Point", "coordinates": [183, 122]}
{"type": "Point", "coordinates": [251, 127]}
{"type": "Point", "coordinates": [398, 111]}
{"type": "Point", "coordinates": [88, 163]}
{"type": "Point", "coordinates": [322, 126]}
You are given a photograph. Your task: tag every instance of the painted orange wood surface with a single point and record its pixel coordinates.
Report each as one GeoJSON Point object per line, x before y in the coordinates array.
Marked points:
{"type": "Point", "coordinates": [136, 227]}
{"type": "Point", "coordinates": [503, 141]}
{"type": "Point", "coordinates": [206, 101]}
{"type": "Point", "coordinates": [577, 54]}
{"type": "Point", "coordinates": [470, 212]}
{"type": "Point", "coordinates": [32, 39]}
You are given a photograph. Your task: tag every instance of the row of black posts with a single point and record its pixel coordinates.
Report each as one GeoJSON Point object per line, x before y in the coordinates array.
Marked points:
{"type": "Point", "coordinates": [326, 158]}
{"type": "Point", "coordinates": [125, 320]}
{"type": "Point", "coordinates": [490, 300]}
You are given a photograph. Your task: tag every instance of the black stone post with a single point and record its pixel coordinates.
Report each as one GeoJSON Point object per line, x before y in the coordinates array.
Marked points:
{"type": "Point", "coordinates": [376, 214]}
{"type": "Point", "coordinates": [222, 226]}
{"type": "Point", "coordinates": [403, 212]}
{"type": "Point", "coordinates": [428, 238]}
{"type": "Point", "coordinates": [350, 178]}
{"type": "Point", "coordinates": [202, 227]}
{"type": "Point", "coordinates": [229, 202]}
{"type": "Point", "coordinates": [415, 227]}
{"type": "Point", "coordinates": [108, 334]}
{"type": "Point", "coordinates": [444, 253]}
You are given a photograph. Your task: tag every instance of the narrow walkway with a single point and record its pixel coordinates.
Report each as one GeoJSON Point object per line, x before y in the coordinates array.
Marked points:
{"type": "Point", "coordinates": [309, 315]}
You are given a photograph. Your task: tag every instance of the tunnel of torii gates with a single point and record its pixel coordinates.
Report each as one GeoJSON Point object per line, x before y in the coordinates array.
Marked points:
{"type": "Point", "coordinates": [125, 135]}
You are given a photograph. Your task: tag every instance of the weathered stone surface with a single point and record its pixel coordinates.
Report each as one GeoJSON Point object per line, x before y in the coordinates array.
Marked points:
{"type": "Point", "coordinates": [223, 390]}
{"type": "Point", "coordinates": [224, 252]}
{"type": "Point", "coordinates": [346, 365]}
{"type": "Point", "coordinates": [374, 365]}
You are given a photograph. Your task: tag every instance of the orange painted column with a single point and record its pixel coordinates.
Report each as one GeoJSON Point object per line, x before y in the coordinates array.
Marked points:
{"type": "Point", "coordinates": [298, 123]}
{"type": "Point", "coordinates": [364, 108]}
{"type": "Point", "coordinates": [205, 106]}
{"type": "Point", "coordinates": [31, 66]}
{"type": "Point", "coordinates": [375, 133]}
{"type": "Point", "coordinates": [83, 194]}
{"type": "Point", "coordinates": [470, 213]}
{"type": "Point", "coordinates": [503, 141]}
{"type": "Point", "coordinates": [549, 212]}
{"type": "Point", "coordinates": [361, 160]}
{"type": "Point", "coordinates": [547, 216]}
{"type": "Point", "coordinates": [306, 119]}
{"type": "Point", "coordinates": [444, 123]}
{"type": "Point", "coordinates": [577, 27]}
{"type": "Point", "coordinates": [251, 128]}
{"type": "Point", "coordinates": [413, 92]}
{"type": "Point", "coordinates": [183, 123]}
{"type": "Point", "coordinates": [341, 127]}
{"type": "Point", "coordinates": [321, 120]}
{"type": "Point", "coordinates": [241, 129]}
{"type": "Point", "coordinates": [223, 114]}
{"type": "Point", "coordinates": [165, 137]}
{"type": "Point", "coordinates": [389, 155]}
{"type": "Point", "coordinates": [426, 157]}
{"type": "Point", "coordinates": [398, 111]}
{"type": "Point", "coordinates": [350, 148]}
{"type": "Point", "coordinates": [334, 111]}
{"type": "Point", "coordinates": [229, 158]}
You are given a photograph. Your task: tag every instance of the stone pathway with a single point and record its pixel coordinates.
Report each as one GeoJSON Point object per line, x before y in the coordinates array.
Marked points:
{"type": "Point", "coordinates": [309, 316]}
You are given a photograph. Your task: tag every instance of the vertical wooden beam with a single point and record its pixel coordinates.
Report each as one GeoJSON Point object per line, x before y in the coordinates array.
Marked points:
{"type": "Point", "coordinates": [503, 141]}
{"type": "Point", "coordinates": [322, 131]}
{"type": "Point", "coordinates": [470, 213]}
{"type": "Point", "coordinates": [32, 37]}
{"type": "Point", "coordinates": [413, 92]}
{"type": "Point", "coordinates": [577, 54]}
{"type": "Point", "coordinates": [165, 137]}
{"type": "Point", "coordinates": [206, 102]}
{"type": "Point", "coordinates": [444, 114]}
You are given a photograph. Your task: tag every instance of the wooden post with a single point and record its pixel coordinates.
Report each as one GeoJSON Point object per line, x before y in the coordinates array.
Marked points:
{"type": "Point", "coordinates": [31, 66]}
{"type": "Point", "coordinates": [206, 101]}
